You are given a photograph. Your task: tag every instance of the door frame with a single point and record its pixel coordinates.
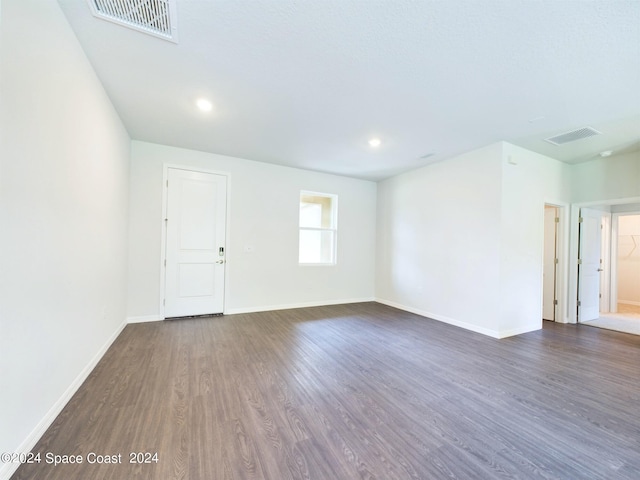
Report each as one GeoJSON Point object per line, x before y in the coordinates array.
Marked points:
{"type": "Point", "coordinates": [562, 254]}
{"type": "Point", "coordinates": [163, 235]}
{"type": "Point", "coordinates": [572, 293]}
{"type": "Point", "coordinates": [556, 264]}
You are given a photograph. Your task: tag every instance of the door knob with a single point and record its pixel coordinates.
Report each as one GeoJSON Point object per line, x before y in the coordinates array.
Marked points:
{"type": "Point", "coordinates": [220, 261]}
{"type": "Point", "coordinates": [600, 270]}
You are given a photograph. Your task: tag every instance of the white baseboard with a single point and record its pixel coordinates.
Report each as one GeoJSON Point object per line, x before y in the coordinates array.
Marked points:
{"type": "Point", "coordinates": [519, 331]}
{"type": "Point", "coordinates": [8, 469]}
{"type": "Point", "coordinates": [144, 319]}
{"type": "Point", "coordinates": [457, 323]}
{"type": "Point", "coordinates": [263, 308]}
{"type": "Point", "coordinates": [288, 306]}
{"type": "Point", "coordinates": [441, 318]}
{"type": "Point", "coordinates": [629, 302]}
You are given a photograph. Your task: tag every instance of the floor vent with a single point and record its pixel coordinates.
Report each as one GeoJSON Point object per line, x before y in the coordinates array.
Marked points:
{"type": "Point", "coordinates": [573, 135]}
{"type": "Point", "coordinates": [155, 17]}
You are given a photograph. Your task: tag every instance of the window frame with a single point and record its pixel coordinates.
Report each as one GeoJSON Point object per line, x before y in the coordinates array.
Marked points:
{"type": "Point", "coordinates": [333, 229]}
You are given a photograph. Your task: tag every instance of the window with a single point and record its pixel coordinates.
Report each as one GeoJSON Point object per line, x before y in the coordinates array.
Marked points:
{"type": "Point", "coordinates": [318, 228]}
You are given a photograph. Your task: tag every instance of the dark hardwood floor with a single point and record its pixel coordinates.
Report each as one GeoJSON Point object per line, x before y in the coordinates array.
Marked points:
{"type": "Point", "coordinates": [349, 392]}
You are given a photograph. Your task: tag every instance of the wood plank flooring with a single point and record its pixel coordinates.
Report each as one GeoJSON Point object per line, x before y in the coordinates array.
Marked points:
{"type": "Point", "coordinates": [359, 391]}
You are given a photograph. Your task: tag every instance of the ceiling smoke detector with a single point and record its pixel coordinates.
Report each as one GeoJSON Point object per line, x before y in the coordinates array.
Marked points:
{"type": "Point", "coordinates": [154, 17]}
{"type": "Point", "coordinates": [573, 135]}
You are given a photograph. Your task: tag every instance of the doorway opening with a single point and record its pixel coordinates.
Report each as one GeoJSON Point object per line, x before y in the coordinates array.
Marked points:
{"type": "Point", "coordinates": [618, 288]}
{"type": "Point", "coordinates": [623, 313]}
{"type": "Point", "coordinates": [625, 255]}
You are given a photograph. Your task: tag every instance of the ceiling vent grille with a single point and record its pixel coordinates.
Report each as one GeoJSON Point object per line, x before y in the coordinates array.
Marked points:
{"type": "Point", "coordinates": [573, 135]}
{"type": "Point", "coordinates": [155, 17]}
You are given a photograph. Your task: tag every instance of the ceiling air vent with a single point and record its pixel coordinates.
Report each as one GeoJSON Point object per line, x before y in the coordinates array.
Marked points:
{"type": "Point", "coordinates": [573, 135]}
{"type": "Point", "coordinates": [155, 17]}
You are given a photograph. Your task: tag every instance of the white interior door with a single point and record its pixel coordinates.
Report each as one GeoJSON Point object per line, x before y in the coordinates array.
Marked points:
{"type": "Point", "coordinates": [589, 265]}
{"type": "Point", "coordinates": [195, 243]}
{"type": "Point", "coordinates": [549, 267]}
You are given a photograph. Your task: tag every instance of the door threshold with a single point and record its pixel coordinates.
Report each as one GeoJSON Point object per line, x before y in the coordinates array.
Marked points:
{"type": "Point", "coordinates": [204, 315]}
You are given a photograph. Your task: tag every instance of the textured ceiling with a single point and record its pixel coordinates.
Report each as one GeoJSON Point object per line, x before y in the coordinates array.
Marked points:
{"type": "Point", "coordinates": [308, 83]}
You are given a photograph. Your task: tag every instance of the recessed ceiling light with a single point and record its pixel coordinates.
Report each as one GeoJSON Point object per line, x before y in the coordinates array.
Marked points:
{"type": "Point", "coordinates": [204, 104]}
{"type": "Point", "coordinates": [606, 153]}
{"type": "Point", "coordinates": [375, 142]}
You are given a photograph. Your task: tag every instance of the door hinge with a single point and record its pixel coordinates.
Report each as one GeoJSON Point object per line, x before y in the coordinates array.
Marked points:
{"type": "Point", "coordinates": [555, 260]}
{"type": "Point", "coordinates": [580, 219]}
{"type": "Point", "coordinates": [164, 301]}
{"type": "Point", "coordinates": [165, 262]}
{"type": "Point", "coordinates": [599, 295]}
{"type": "Point", "coordinates": [579, 261]}
{"type": "Point", "coordinates": [167, 183]}
{"type": "Point", "coordinates": [557, 219]}
{"type": "Point", "coordinates": [555, 302]}
{"type": "Point", "coordinates": [579, 303]}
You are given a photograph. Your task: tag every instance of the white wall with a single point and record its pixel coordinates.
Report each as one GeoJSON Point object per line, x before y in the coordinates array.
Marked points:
{"type": "Point", "coordinates": [439, 240]}
{"type": "Point", "coordinates": [625, 208]}
{"type": "Point", "coordinates": [527, 185]}
{"type": "Point", "coordinates": [629, 259]}
{"type": "Point", "coordinates": [462, 240]}
{"type": "Point", "coordinates": [263, 213]}
{"type": "Point", "coordinates": [64, 158]}
{"type": "Point", "coordinates": [603, 179]}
